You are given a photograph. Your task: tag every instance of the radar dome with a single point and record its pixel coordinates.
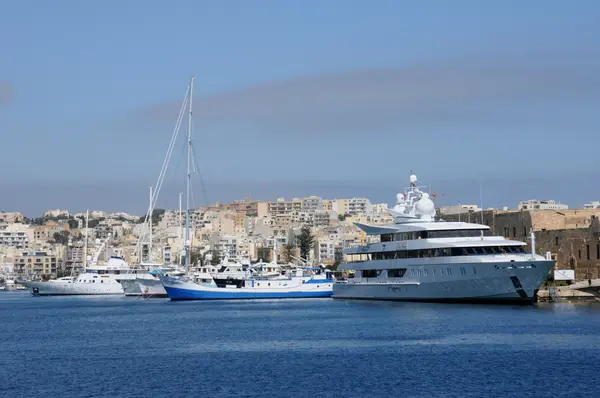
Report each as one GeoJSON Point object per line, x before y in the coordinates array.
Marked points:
{"type": "Point", "coordinates": [413, 179]}
{"type": "Point", "coordinates": [399, 198]}
{"type": "Point", "coordinates": [425, 206]}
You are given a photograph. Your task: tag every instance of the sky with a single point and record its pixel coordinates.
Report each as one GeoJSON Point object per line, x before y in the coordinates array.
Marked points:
{"type": "Point", "coordinates": [491, 102]}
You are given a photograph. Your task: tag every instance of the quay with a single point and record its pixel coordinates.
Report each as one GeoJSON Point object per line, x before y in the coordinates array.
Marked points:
{"type": "Point", "coordinates": [588, 290]}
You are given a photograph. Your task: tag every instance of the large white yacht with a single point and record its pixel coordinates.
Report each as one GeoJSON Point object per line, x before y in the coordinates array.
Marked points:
{"type": "Point", "coordinates": [420, 259]}
{"type": "Point", "coordinates": [94, 280]}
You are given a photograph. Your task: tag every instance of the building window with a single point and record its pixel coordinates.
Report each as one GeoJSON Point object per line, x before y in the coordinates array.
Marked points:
{"type": "Point", "coordinates": [579, 254]}
{"type": "Point", "coordinates": [515, 232]}
{"type": "Point", "coordinates": [556, 240]}
{"type": "Point", "coordinates": [506, 235]}
{"type": "Point", "coordinates": [598, 251]}
{"type": "Point", "coordinates": [524, 230]}
{"type": "Point", "coordinates": [587, 251]}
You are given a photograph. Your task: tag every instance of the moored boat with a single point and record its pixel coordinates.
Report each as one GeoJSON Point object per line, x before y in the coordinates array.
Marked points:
{"type": "Point", "coordinates": [420, 259]}
{"type": "Point", "coordinates": [301, 285]}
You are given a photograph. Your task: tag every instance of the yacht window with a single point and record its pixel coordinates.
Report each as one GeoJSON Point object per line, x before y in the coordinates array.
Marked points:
{"type": "Point", "coordinates": [101, 281]}
{"type": "Point", "coordinates": [456, 233]}
{"type": "Point", "coordinates": [387, 237]}
{"type": "Point", "coordinates": [370, 273]}
{"type": "Point", "coordinates": [396, 273]}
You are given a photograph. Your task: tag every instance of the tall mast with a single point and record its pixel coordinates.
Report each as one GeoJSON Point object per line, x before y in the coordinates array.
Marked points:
{"type": "Point", "coordinates": [85, 243]}
{"type": "Point", "coordinates": [180, 233]}
{"type": "Point", "coordinates": [150, 226]}
{"type": "Point", "coordinates": [189, 176]}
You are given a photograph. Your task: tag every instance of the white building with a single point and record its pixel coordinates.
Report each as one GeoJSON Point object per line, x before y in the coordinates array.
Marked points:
{"type": "Point", "coordinates": [458, 209]}
{"type": "Point", "coordinates": [56, 213]}
{"type": "Point", "coordinates": [594, 205]}
{"type": "Point", "coordinates": [312, 203]}
{"type": "Point", "coordinates": [379, 208]}
{"type": "Point", "coordinates": [533, 204]}
{"type": "Point", "coordinates": [15, 235]}
{"type": "Point", "coordinates": [352, 206]}
{"type": "Point", "coordinates": [302, 217]}
{"type": "Point", "coordinates": [324, 251]}
{"type": "Point", "coordinates": [322, 218]}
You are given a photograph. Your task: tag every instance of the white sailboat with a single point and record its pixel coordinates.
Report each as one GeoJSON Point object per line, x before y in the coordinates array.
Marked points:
{"type": "Point", "coordinates": [150, 285]}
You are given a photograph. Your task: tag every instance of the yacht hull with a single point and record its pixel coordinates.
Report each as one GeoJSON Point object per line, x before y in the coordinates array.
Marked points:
{"type": "Point", "coordinates": [151, 288]}
{"type": "Point", "coordinates": [475, 283]}
{"type": "Point", "coordinates": [131, 287]}
{"type": "Point", "coordinates": [184, 290]}
{"type": "Point", "coordinates": [51, 288]}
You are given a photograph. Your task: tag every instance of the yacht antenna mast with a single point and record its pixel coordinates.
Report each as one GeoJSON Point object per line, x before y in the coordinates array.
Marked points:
{"type": "Point", "coordinates": [481, 199]}
{"type": "Point", "coordinates": [187, 186]}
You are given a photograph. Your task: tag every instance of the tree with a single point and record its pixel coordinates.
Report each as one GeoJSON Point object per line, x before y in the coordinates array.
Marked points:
{"type": "Point", "coordinates": [341, 217]}
{"type": "Point", "coordinates": [264, 254]}
{"type": "Point", "coordinates": [73, 223]}
{"type": "Point", "coordinates": [289, 253]}
{"type": "Point", "coordinates": [93, 223]}
{"type": "Point", "coordinates": [197, 256]}
{"type": "Point", "coordinates": [306, 241]}
{"type": "Point", "coordinates": [157, 215]}
{"type": "Point", "coordinates": [215, 257]}
{"type": "Point", "coordinates": [62, 237]}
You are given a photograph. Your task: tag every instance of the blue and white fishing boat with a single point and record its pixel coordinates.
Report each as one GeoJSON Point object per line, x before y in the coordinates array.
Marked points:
{"type": "Point", "coordinates": [305, 283]}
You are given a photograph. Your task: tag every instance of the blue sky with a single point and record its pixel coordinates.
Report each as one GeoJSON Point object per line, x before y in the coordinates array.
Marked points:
{"type": "Point", "coordinates": [297, 98]}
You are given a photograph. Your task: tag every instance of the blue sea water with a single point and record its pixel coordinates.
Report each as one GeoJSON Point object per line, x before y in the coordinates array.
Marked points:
{"type": "Point", "coordinates": [128, 347]}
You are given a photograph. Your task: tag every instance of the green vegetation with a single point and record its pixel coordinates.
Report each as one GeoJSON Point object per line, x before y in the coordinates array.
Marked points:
{"type": "Point", "coordinates": [62, 237]}
{"type": "Point", "coordinates": [157, 215]}
{"type": "Point", "coordinates": [215, 257]}
{"type": "Point", "coordinates": [264, 254]}
{"type": "Point", "coordinates": [342, 217]}
{"type": "Point", "coordinates": [288, 255]}
{"type": "Point", "coordinates": [306, 241]}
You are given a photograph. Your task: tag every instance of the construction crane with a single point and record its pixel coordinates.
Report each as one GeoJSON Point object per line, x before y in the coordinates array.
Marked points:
{"type": "Point", "coordinates": [435, 195]}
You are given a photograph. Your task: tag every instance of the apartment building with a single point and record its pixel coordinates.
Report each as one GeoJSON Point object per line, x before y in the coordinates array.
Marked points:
{"type": "Point", "coordinates": [36, 263]}
{"type": "Point", "coordinates": [280, 206]}
{"type": "Point", "coordinates": [593, 205]}
{"type": "Point", "coordinates": [322, 218]}
{"type": "Point", "coordinates": [534, 204]}
{"type": "Point", "coordinates": [324, 251]}
{"type": "Point", "coordinates": [352, 206]}
{"type": "Point", "coordinates": [312, 203]}
{"type": "Point", "coordinates": [15, 235]}
{"type": "Point", "coordinates": [46, 232]}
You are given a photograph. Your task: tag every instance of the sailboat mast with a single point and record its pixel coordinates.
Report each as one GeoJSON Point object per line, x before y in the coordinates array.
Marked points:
{"type": "Point", "coordinates": [150, 226]}
{"type": "Point", "coordinates": [85, 243]}
{"type": "Point", "coordinates": [189, 176]}
{"type": "Point", "coordinates": [180, 233]}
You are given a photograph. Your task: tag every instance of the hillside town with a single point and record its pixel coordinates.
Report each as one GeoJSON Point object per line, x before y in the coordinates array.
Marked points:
{"type": "Point", "coordinates": [248, 230]}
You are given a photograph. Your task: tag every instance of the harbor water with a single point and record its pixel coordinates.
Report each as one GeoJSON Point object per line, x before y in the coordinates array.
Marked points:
{"type": "Point", "coordinates": [133, 347]}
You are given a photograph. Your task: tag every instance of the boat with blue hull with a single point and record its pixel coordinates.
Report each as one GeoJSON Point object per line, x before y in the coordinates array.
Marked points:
{"type": "Point", "coordinates": [314, 286]}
